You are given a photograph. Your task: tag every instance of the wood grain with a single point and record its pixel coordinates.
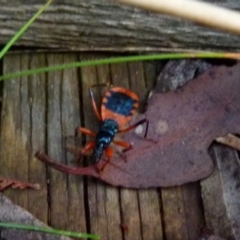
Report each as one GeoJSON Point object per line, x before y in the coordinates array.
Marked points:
{"type": "Point", "coordinates": [182, 211]}
{"type": "Point", "coordinates": [39, 112]}
{"type": "Point", "coordinates": [221, 194]}
{"type": "Point", "coordinates": [62, 117]}
{"type": "Point", "coordinates": [23, 131]}
{"type": "Point", "coordinates": [106, 25]}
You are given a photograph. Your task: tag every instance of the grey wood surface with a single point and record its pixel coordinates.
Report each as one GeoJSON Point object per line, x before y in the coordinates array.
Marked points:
{"type": "Point", "coordinates": [106, 25]}
{"type": "Point", "coordinates": [39, 112]}
{"type": "Point", "coordinates": [10, 212]}
{"type": "Point", "coordinates": [221, 194]}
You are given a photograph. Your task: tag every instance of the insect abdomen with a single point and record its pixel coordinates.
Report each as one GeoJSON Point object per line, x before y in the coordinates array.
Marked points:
{"type": "Point", "coordinates": [105, 135]}
{"type": "Point", "coordinates": [119, 104]}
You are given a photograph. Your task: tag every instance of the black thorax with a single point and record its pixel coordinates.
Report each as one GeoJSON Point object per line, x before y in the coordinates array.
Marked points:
{"type": "Point", "coordinates": [105, 135]}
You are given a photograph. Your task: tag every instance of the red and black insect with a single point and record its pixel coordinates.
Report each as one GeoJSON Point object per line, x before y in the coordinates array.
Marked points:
{"type": "Point", "coordinates": [118, 106]}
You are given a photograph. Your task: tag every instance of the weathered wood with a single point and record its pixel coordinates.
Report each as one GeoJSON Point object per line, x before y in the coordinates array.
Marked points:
{"type": "Point", "coordinates": [22, 132]}
{"type": "Point", "coordinates": [12, 134]}
{"type": "Point", "coordinates": [57, 181]}
{"type": "Point", "coordinates": [70, 95]}
{"type": "Point", "coordinates": [9, 212]}
{"type": "Point", "coordinates": [38, 113]}
{"type": "Point", "coordinates": [174, 214]}
{"type": "Point", "coordinates": [221, 194]}
{"type": "Point", "coordinates": [37, 102]}
{"type": "Point", "coordinates": [106, 25]}
{"type": "Point", "coordinates": [149, 207]}
{"type": "Point", "coordinates": [182, 212]}
{"type": "Point", "coordinates": [193, 209]}
{"type": "Point", "coordinates": [52, 105]}
{"type": "Point", "coordinates": [66, 192]}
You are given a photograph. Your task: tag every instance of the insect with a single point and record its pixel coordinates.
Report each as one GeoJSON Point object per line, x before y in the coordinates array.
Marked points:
{"type": "Point", "coordinates": [118, 106]}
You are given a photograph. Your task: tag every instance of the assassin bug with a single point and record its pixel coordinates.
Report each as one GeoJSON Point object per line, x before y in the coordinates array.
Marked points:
{"type": "Point", "coordinates": [118, 106]}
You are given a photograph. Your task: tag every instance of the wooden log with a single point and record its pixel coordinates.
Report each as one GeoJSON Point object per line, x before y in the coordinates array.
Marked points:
{"type": "Point", "coordinates": [22, 132]}
{"type": "Point", "coordinates": [105, 25]}
{"type": "Point", "coordinates": [63, 115]}
{"type": "Point", "coordinates": [37, 102]}
{"type": "Point", "coordinates": [37, 114]}
{"type": "Point", "coordinates": [57, 181]}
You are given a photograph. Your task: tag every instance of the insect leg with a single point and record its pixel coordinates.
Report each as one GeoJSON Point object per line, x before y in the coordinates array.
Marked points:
{"type": "Point", "coordinates": [123, 144]}
{"type": "Point", "coordinates": [109, 154]}
{"type": "Point", "coordinates": [127, 147]}
{"type": "Point", "coordinates": [84, 131]}
{"type": "Point", "coordinates": [90, 145]}
{"type": "Point", "coordinates": [135, 125]}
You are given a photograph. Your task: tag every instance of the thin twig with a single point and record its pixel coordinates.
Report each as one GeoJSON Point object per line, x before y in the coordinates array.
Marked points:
{"type": "Point", "coordinates": [197, 11]}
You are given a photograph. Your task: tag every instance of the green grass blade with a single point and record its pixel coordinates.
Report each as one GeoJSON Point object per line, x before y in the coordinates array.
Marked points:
{"type": "Point", "coordinates": [22, 30]}
{"type": "Point", "coordinates": [48, 230]}
{"type": "Point", "coordinates": [120, 60]}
